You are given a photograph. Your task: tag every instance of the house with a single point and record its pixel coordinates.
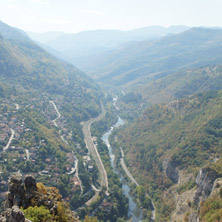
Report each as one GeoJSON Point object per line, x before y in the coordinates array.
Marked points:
{"type": "Point", "coordinates": [77, 183]}
{"type": "Point", "coordinates": [44, 172]}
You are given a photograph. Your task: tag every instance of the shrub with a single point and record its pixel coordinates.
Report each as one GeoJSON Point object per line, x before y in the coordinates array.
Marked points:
{"type": "Point", "coordinates": [37, 214]}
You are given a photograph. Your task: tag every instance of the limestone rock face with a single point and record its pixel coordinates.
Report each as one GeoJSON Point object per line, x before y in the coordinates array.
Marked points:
{"type": "Point", "coordinates": [19, 194]}
{"type": "Point", "coordinates": [205, 181]}
{"type": "Point", "coordinates": [170, 170]}
{"type": "Point", "coordinates": [23, 192]}
{"type": "Point", "coordinates": [13, 214]}
{"type": "Point", "coordinates": [16, 215]}
{"type": "Point", "coordinates": [16, 191]}
{"type": "Point", "coordinates": [30, 182]}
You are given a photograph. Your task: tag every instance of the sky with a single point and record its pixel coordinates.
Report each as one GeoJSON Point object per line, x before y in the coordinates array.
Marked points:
{"type": "Point", "coordinates": [72, 16]}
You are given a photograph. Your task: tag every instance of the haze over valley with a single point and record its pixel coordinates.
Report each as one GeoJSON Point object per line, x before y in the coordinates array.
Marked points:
{"type": "Point", "coordinates": [110, 111]}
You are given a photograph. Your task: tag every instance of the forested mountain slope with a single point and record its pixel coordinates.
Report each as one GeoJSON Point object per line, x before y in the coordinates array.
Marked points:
{"type": "Point", "coordinates": [181, 84]}
{"type": "Point", "coordinates": [183, 135]}
{"type": "Point", "coordinates": [174, 86]}
{"type": "Point", "coordinates": [26, 67]}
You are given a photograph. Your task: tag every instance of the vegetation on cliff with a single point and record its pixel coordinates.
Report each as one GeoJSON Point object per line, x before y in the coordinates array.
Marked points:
{"type": "Point", "coordinates": [185, 134]}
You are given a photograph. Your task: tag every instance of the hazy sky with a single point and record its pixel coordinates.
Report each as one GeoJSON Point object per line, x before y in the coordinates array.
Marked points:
{"type": "Point", "coordinates": [79, 15]}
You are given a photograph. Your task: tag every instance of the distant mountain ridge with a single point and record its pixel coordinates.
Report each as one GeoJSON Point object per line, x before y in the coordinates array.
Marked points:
{"type": "Point", "coordinates": [110, 38]}
{"type": "Point", "coordinates": [150, 60]}
{"type": "Point", "coordinates": [76, 47]}
{"type": "Point", "coordinates": [45, 36]}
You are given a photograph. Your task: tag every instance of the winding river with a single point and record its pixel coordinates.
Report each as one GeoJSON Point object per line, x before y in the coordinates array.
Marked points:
{"type": "Point", "coordinates": [135, 212]}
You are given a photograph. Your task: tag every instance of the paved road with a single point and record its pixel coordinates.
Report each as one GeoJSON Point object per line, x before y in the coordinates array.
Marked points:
{"type": "Point", "coordinates": [10, 140]}
{"type": "Point", "coordinates": [126, 169]}
{"type": "Point", "coordinates": [94, 152]}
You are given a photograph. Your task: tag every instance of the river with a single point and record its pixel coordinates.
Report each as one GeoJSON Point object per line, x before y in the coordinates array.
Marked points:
{"type": "Point", "coordinates": [135, 212]}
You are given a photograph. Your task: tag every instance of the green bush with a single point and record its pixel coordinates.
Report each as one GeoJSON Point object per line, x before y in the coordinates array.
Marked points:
{"type": "Point", "coordinates": [37, 214]}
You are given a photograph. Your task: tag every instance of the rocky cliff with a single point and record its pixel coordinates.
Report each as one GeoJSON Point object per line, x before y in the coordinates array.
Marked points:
{"type": "Point", "coordinates": [187, 201]}
{"type": "Point", "coordinates": [205, 181]}
{"type": "Point", "coordinates": [24, 192]}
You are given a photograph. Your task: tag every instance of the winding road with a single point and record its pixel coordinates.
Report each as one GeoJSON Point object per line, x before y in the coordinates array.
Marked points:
{"type": "Point", "coordinates": [10, 140]}
{"type": "Point", "coordinates": [94, 152]}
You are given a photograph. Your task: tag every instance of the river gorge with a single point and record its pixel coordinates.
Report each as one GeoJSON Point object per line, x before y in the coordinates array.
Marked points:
{"type": "Point", "coordinates": [135, 212]}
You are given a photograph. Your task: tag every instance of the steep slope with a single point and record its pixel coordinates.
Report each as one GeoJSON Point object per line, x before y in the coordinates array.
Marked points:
{"type": "Point", "coordinates": [150, 60]}
{"type": "Point", "coordinates": [183, 83]}
{"type": "Point", "coordinates": [172, 140]}
{"type": "Point", "coordinates": [174, 86]}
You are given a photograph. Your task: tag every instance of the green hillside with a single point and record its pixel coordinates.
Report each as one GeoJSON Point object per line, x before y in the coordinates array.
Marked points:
{"type": "Point", "coordinates": [186, 133]}
{"type": "Point", "coordinates": [182, 83]}
{"type": "Point", "coordinates": [174, 86]}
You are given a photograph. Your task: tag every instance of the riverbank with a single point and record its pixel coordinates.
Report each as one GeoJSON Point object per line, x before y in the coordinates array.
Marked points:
{"type": "Point", "coordinates": [134, 211]}
{"type": "Point", "coordinates": [129, 175]}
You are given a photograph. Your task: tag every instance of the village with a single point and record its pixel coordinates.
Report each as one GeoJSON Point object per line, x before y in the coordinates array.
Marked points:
{"type": "Point", "coordinates": [21, 148]}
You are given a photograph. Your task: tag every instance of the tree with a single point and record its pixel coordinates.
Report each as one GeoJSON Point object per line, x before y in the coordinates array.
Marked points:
{"type": "Point", "coordinates": [37, 214]}
{"type": "Point", "coordinates": [140, 193]}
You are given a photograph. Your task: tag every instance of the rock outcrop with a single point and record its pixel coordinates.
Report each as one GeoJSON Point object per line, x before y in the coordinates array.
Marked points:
{"type": "Point", "coordinates": [20, 193]}
{"type": "Point", "coordinates": [14, 214]}
{"type": "Point", "coordinates": [170, 170]}
{"type": "Point", "coordinates": [24, 192]}
{"type": "Point", "coordinates": [205, 181]}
